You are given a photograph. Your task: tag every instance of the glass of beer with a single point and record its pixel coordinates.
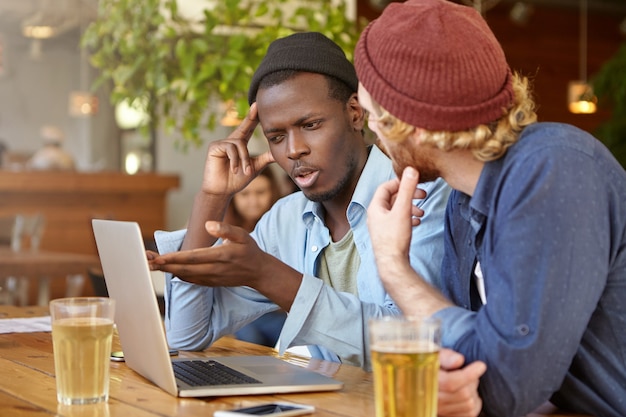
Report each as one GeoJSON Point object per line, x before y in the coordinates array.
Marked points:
{"type": "Point", "coordinates": [82, 329]}
{"type": "Point", "coordinates": [405, 360]}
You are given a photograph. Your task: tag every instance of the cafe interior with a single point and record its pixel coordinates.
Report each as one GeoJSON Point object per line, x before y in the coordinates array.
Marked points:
{"type": "Point", "coordinates": [104, 165]}
{"type": "Point", "coordinates": [113, 169]}
{"type": "Point", "coordinates": [117, 171]}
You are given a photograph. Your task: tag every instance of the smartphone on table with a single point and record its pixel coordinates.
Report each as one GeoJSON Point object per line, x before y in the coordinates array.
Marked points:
{"type": "Point", "coordinates": [278, 409]}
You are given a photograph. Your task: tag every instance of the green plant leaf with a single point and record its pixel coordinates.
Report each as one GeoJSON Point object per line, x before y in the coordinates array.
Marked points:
{"type": "Point", "coordinates": [147, 49]}
{"type": "Point", "coordinates": [610, 87]}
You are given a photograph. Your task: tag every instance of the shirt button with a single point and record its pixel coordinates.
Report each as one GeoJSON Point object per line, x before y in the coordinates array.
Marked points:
{"type": "Point", "coordinates": [314, 248]}
{"type": "Point", "coordinates": [523, 329]}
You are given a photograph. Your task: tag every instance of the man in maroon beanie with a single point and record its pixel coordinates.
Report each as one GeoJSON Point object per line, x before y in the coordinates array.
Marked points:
{"type": "Point", "coordinates": [534, 271]}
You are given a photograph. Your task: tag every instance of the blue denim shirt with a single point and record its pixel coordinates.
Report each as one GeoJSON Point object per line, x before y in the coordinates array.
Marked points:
{"type": "Point", "coordinates": [333, 324]}
{"type": "Point", "coordinates": [547, 223]}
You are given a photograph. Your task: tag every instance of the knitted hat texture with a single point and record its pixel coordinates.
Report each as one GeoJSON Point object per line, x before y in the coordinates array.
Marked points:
{"type": "Point", "coordinates": [307, 52]}
{"type": "Point", "coordinates": [435, 65]}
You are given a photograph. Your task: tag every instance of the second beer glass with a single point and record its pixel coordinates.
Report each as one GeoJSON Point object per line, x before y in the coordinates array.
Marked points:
{"type": "Point", "coordinates": [405, 358]}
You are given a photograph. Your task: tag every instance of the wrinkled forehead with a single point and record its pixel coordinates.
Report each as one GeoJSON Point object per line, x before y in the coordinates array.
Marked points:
{"type": "Point", "coordinates": [294, 100]}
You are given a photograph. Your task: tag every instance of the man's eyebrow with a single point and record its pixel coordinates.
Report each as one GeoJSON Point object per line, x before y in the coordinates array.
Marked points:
{"type": "Point", "coordinates": [272, 130]}
{"type": "Point", "coordinates": [298, 122]}
{"type": "Point", "coordinates": [306, 117]}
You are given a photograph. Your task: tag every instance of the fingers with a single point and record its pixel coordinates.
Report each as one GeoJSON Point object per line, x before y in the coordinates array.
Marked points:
{"type": "Point", "coordinates": [458, 389]}
{"type": "Point", "coordinates": [198, 266]}
{"type": "Point", "coordinates": [400, 193]}
{"type": "Point", "coordinates": [227, 232]}
{"type": "Point", "coordinates": [151, 255]}
{"type": "Point", "coordinates": [245, 130]}
{"type": "Point", "coordinates": [215, 265]}
{"type": "Point", "coordinates": [407, 189]}
{"type": "Point", "coordinates": [385, 195]}
{"type": "Point", "coordinates": [469, 406]}
{"type": "Point", "coordinates": [454, 381]}
{"type": "Point", "coordinates": [238, 155]}
{"type": "Point", "coordinates": [449, 359]}
{"type": "Point", "coordinates": [261, 161]}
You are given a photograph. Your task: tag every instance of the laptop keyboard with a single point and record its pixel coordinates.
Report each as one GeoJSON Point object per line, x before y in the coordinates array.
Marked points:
{"type": "Point", "coordinates": [203, 373]}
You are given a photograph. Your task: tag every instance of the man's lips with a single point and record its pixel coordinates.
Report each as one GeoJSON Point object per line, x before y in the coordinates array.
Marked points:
{"type": "Point", "coordinates": [305, 177]}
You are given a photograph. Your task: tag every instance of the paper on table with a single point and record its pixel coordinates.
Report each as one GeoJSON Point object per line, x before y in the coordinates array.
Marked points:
{"type": "Point", "coordinates": [26, 325]}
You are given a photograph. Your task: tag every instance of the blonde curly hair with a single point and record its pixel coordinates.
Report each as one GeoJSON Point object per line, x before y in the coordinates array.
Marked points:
{"type": "Point", "coordinates": [487, 142]}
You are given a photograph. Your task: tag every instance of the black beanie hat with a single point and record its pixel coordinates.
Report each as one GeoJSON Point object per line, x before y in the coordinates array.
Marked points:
{"type": "Point", "coordinates": [306, 52]}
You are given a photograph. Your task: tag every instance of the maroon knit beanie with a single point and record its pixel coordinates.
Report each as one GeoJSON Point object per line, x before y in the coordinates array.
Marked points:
{"type": "Point", "coordinates": [435, 65]}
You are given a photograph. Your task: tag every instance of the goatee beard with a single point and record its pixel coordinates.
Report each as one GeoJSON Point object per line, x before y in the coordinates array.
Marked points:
{"type": "Point", "coordinates": [427, 172]}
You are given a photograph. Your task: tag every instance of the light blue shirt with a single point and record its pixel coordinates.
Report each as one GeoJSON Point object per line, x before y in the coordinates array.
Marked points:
{"type": "Point", "coordinates": [333, 324]}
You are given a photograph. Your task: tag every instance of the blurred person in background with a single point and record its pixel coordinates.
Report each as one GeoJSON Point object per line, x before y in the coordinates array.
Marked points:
{"type": "Point", "coordinates": [245, 209]}
{"type": "Point", "coordinates": [51, 156]}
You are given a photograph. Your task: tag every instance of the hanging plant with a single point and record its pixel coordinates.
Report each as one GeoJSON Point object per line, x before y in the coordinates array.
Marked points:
{"type": "Point", "coordinates": [610, 87]}
{"type": "Point", "coordinates": [179, 68]}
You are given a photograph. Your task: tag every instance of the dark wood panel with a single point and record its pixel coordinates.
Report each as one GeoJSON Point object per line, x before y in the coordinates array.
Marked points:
{"type": "Point", "coordinates": [547, 50]}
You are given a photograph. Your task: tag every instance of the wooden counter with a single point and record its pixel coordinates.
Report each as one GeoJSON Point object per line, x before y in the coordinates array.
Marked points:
{"type": "Point", "coordinates": [69, 201]}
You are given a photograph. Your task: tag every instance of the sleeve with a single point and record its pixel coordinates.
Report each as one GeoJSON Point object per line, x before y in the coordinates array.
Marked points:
{"type": "Point", "coordinates": [544, 259]}
{"type": "Point", "coordinates": [427, 246]}
{"type": "Point", "coordinates": [195, 315]}
{"type": "Point", "coordinates": [334, 320]}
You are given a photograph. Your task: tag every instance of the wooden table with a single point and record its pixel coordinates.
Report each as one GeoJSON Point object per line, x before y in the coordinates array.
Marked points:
{"type": "Point", "coordinates": [42, 265]}
{"type": "Point", "coordinates": [27, 385]}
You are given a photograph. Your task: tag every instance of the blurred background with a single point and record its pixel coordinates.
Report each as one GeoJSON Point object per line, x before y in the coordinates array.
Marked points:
{"type": "Point", "coordinates": [45, 80]}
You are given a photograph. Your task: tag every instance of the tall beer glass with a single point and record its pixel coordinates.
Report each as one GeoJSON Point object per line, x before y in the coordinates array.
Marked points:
{"type": "Point", "coordinates": [82, 329]}
{"type": "Point", "coordinates": [405, 358]}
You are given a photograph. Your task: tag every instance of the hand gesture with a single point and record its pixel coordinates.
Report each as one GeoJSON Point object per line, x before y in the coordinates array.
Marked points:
{"type": "Point", "coordinates": [391, 216]}
{"type": "Point", "coordinates": [235, 262]}
{"type": "Point", "coordinates": [229, 167]}
{"type": "Point", "coordinates": [238, 261]}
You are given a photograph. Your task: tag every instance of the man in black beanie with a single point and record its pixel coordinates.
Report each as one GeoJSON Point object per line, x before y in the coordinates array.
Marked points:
{"type": "Point", "coordinates": [311, 254]}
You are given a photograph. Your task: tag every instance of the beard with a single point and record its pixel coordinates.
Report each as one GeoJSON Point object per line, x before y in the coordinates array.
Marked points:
{"type": "Point", "coordinates": [404, 156]}
{"type": "Point", "coordinates": [339, 187]}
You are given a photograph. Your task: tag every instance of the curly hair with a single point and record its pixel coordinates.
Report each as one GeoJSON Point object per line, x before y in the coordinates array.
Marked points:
{"type": "Point", "coordinates": [487, 142]}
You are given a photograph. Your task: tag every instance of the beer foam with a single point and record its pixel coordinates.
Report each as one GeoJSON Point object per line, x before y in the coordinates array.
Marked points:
{"type": "Point", "coordinates": [405, 347]}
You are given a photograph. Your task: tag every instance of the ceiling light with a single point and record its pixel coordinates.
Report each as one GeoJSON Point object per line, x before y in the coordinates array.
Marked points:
{"type": "Point", "coordinates": [520, 13]}
{"type": "Point", "coordinates": [580, 97]}
{"type": "Point", "coordinates": [82, 104]}
{"type": "Point", "coordinates": [38, 32]}
{"type": "Point", "coordinates": [51, 19]}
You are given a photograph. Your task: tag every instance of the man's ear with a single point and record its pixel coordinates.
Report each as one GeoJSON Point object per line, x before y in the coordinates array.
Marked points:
{"type": "Point", "coordinates": [356, 112]}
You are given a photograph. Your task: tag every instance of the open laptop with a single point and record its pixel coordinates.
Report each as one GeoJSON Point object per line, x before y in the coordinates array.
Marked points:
{"type": "Point", "coordinates": [138, 319]}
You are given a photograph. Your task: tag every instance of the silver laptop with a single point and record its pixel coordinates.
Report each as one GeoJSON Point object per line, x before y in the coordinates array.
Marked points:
{"type": "Point", "coordinates": [138, 319]}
